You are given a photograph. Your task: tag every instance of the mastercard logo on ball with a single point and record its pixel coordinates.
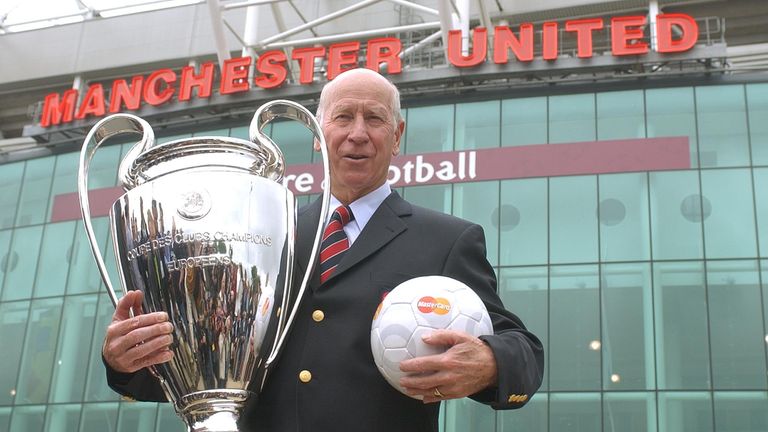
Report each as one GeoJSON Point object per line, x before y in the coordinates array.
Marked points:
{"type": "Point", "coordinates": [428, 304]}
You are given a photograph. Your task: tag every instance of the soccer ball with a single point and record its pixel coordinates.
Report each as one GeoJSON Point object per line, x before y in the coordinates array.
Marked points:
{"type": "Point", "coordinates": [416, 307]}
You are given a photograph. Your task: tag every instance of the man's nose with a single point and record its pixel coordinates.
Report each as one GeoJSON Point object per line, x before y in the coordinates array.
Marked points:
{"type": "Point", "coordinates": [359, 130]}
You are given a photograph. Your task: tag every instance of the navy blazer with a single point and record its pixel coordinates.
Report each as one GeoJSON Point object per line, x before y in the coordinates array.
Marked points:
{"type": "Point", "coordinates": [346, 392]}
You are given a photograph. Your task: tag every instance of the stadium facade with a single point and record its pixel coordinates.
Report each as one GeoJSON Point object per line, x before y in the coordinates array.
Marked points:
{"type": "Point", "coordinates": [615, 152]}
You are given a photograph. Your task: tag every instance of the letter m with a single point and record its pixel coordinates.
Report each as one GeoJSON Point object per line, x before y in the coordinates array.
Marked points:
{"type": "Point", "coordinates": [56, 110]}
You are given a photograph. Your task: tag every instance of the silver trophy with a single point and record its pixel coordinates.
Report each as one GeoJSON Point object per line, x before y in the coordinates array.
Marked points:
{"type": "Point", "coordinates": [206, 230]}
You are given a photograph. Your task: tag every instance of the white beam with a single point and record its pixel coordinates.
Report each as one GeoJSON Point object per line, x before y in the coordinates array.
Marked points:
{"type": "Point", "coordinates": [446, 22]}
{"type": "Point", "coordinates": [415, 6]}
{"type": "Point", "coordinates": [354, 35]}
{"type": "Point", "coordinates": [249, 4]}
{"type": "Point", "coordinates": [214, 9]}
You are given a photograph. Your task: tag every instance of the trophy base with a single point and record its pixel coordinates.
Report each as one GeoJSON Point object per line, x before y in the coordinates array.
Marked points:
{"type": "Point", "coordinates": [213, 410]}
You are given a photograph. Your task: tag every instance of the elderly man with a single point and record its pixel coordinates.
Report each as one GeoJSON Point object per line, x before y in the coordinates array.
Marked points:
{"type": "Point", "coordinates": [325, 379]}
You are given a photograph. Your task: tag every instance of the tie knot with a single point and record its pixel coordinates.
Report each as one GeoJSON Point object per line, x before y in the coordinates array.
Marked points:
{"type": "Point", "coordinates": [343, 214]}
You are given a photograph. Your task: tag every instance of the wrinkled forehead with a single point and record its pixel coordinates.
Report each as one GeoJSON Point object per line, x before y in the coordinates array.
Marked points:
{"type": "Point", "coordinates": [363, 89]}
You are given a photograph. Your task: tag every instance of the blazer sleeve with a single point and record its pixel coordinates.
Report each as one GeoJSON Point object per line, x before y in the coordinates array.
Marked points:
{"type": "Point", "coordinates": [140, 385]}
{"type": "Point", "coordinates": [519, 353]}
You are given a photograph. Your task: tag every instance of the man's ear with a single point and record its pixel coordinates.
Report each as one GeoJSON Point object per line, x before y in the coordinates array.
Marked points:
{"type": "Point", "coordinates": [398, 136]}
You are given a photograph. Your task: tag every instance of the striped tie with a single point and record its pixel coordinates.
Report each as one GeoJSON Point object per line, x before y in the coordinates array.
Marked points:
{"type": "Point", "coordinates": [335, 242]}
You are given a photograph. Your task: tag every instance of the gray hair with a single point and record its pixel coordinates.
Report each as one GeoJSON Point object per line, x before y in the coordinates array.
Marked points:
{"type": "Point", "coordinates": [394, 107]}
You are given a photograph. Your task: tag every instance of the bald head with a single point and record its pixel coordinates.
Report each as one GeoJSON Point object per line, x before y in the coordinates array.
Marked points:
{"type": "Point", "coordinates": [361, 75]}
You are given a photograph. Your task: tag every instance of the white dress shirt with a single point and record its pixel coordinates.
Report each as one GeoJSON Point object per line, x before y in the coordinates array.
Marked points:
{"type": "Point", "coordinates": [362, 208]}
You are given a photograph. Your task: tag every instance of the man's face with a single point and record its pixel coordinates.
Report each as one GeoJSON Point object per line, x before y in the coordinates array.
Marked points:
{"type": "Point", "coordinates": [361, 135]}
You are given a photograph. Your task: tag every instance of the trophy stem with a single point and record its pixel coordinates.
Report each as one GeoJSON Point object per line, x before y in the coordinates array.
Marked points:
{"type": "Point", "coordinates": [213, 410]}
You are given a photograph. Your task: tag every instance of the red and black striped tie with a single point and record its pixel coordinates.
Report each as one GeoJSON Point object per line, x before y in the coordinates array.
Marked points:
{"type": "Point", "coordinates": [335, 242]}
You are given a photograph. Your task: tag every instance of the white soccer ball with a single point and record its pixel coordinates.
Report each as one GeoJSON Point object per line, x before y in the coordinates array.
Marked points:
{"type": "Point", "coordinates": [416, 307]}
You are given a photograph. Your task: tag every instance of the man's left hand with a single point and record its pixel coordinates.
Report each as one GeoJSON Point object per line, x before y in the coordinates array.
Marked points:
{"type": "Point", "coordinates": [467, 367]}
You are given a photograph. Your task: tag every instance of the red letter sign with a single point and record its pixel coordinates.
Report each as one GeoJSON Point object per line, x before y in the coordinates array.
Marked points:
{"type": "Point", "coordinates": [189, 80]}
{"type": "Point", "coordinates": [56, 110]}
{"type": "Point", "coordinates": [93, 102]}
{"type": "Point", "coordinates": [689, 28]}
{"type": "Point", "coordinates": [122, 93]}
{"type": "Point", "coordinates": [504, 40]}
{"type": "Point", "coordinates": [549, 41]}
{"type": "Point", "coordinates": [234, 75]}
{"type": "Point", "coordinates": [340, 55]}
{"type": "Point", "coordinates": [479, 48]}
{"type": "Point", "coordinates": [626, 33]}
{"type": "Point", "coordinates": [272, 65]}
{"type": "Point", "coordinates": [583, 29]}
{"type": "Point", "coordinates": [152, 93]}
{"type": "Point", "coordinates": [384, 50]}
{"type": "Point", "coordinates": [306, 58]}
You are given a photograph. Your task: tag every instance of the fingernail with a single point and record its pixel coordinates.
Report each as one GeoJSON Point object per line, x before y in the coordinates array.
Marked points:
{"type": "Point", "coordinates": [162, 317]}
{"type": "Point", "coordinates": [168, 327]}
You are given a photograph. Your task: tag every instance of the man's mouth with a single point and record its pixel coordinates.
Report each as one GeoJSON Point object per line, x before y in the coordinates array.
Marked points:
{"type": "Point", "coordinates": [355, 157]}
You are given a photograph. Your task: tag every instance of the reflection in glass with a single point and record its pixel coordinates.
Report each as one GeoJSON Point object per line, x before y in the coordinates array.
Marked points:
{"type": "Point", "coordinates": [629, 412]}
{"type": "Point", "coordinates": [685, 411]}
{"type": "Point", "coordinates": [13, 323]}
{"type": "Point", "coordinates": [96, 388]}
{"type": "Point", "coordinates": [623, 213]}
{"type": "Point", "coordinates": [83, 274]}
{"type": "Point", "coordinates": [524, 291]}
{"type": "Point", "coordinates": [671, 112]}
{"type": "Point", "coordinates": [435, 197]}
{"type": "Point", "coordinates": [741, 411]}
{"type": "Point", "coordinates": [736, 322]}
{"type": "Point", "coordinates": [294, 140]}
{"type": "Point", "coordinates": [573, 219]}
{"type": "Point", "coordinates": [9, 192]}
{"type": "Point", "coordinates": [572, 118]}
{"type": "Point", "coordinates": [523, 222]}
{"type": "Point", "coordinates": [64, 177]}
{"type": "Point", "coordinates": [534, 418]}
{"type": "Point", "coordinates": [21, 263]}
{"type": "Point", "coordinates": [462, 415]}
{"type": "Point", "coordinates": [627, 342]}
{"type": "Point", "coordinates": [574, 412]}
{"type": "Point", "coordinates": [39, 349]}
{"type": "Point", "coordinates": [477, 125]}
{"type": "Point", "coordinates": [69, 371]}
{"type": "Point", "coordinates": [722, 121]}
{"type": "Point", "coordinates": [620, 115]}
{"type": "Point", "coordinates": [28, 418]}
{"type": "Point", "coordinates": [35, 189]}
{"type": "Point", "coordinates": [55, 254]}
{"type": "Point", "coordinates": [98, 417]}
{"type": "Point", "coordinates": [729, 232]}
{"type": "Point", "coordinates": [524, 121]}
{"type": "Point", "coordinates": [62, 417]}
{"type": "Point", "coordinates": [5, 418]}
{"type": "Point", "coordinates": [677, 234]}
{"type": "Point", "coordinates": [139, 416]}
{"type": "Point", "coordinates": [167, 420]}
{"type": "Point", "coordinates": [476, 203]}
{"type": "Point", "coordinates": [760, 176]}
{"type": "Point", "coordinates": [429, 129]}
{"type": "Point", "coordinates": [757, 103]}
{"type": "Point", "coordinates": [574, 308]}
{"type": "Point", "coordinates": [682, 338]}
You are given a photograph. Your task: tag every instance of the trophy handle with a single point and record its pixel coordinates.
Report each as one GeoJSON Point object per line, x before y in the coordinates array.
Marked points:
{"type": "Point", "coordinates": [115, 124]}
{"type": "Point", "coordinates": [293, 111]}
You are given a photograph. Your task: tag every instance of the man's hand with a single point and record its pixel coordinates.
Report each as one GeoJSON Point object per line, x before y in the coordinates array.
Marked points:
{"type": "Point", "coordinates": [133, 343]}
{"type": "Point", "coordinates": [467, 367]}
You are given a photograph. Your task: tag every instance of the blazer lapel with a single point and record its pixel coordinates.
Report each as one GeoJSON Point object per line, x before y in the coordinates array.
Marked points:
{"type": "Point", "coordinates": [305, 237]}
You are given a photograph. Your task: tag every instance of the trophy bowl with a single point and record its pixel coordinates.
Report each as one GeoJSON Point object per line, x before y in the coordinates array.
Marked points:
{"type": "Point", "coordinates": [205, 229]}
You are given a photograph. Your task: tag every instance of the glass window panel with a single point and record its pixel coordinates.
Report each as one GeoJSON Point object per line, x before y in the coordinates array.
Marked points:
{"type": "Point", "coordinates": [242, 132]}
{"type": "Point", "coordinates": [671, 112]}
{"type": "Point", "coordinates": [21, 263]}
{"type": "Point", "coordinates": [736, 325]}
{"type": "Point", "coordinates": [55, 255]}
{"type": "Point", "coordinates": [13, 323]}
{"type": "Point", "coordinates": [64, 177]}
{"type": "Point", "coordinates": [167, 420]}
{"type": "Point", "coordinates": [62, 418]}
{"type": "Point", "coordinates": [28, 418]}
{"type": "Point", "coordinates": [524, 291]}
{"type": "Point", "coordinates": [216, 132]}
{"type": "Point", "coordinates": [685, 411]}
{"type": "Point", "coordinates": [477, 125]}
{"type": "Point", "coordinates": [523, 222]}
{"type": "Point", "coordinates": [69, 373]}
{"type": "Point", "coordinates": [463, 415]}
{"type": "Point", "coordinates": [573, 219]}
{"type": "Point", "coordinates": [429, 129]}
{"type": "Point", "coordinates": [39, 350]}
{"type": "Point", "coordinates": [35, 190]}
{"type": "Point", "coordinates": [761, 204]}
{"type": "Point", "coordinates": [757, 103]}
{"type": "Point", "coordinates": [169, 138]}
{"type": "Point", "coordinates": [137, 416]}
{"type": "Point", "coordinates": [620, 115]}
{"type": "Point", "coordinates": [477, 202]}
{"type": "Point", "coordinates": [83, 274]}
{"type": "Point", "coordinates": [623, 215]}
{"type": "Point", "coordinates": [676, 215]}
{"type": "Point", "coordinates": [534, 418]}
{"type": "Point", "coordinates": [575, 412]}
{"type": "Point", "coordinates": [729, 231]}
{"type": "Point", "coordinates": [629, 412]}
{"type": "Point", "coordinates": [435, 197]}
{"type": "Point", "coordinates": [741, 411]}
{"type": "Point", "coordinates": [10, 185]}
{"type": "Point", "coordinates": [572, 118]}
{"type": "Point", "coordinates": [96, 388]}
{"type": "Point", "coordinates": [682, 340]}
{"type": "Point", "coordinates": [524, 121]}
{"type": "Point", "coordinates": [102, 172]}
{"type": "Point", "coordinates": [295, 140]}
{"type": "Point", "coordinates": [627, 344]}
{"type": "Point", "coordinates": [5, 257]}
{"type": "Point", "coordinates": [574, 332]}
{"type": "Point", "coordinates": [722, 122]}
{"type": "Point", "coordinates": [5, 418]}
{"type": "Point", "coordinates": [98, 417]}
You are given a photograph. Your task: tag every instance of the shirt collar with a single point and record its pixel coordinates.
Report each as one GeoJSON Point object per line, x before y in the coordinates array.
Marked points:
{"type": "Point", "coordinates": [363, 207]}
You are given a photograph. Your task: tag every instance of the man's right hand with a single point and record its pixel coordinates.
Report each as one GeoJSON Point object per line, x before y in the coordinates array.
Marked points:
{"type": "Point", "coordinates": [133, 343]}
